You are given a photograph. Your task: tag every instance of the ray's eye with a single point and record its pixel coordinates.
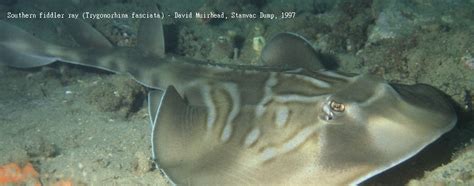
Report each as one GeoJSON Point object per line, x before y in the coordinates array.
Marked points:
{"type": "Point", "coordinates": [337, 107]}
{"type": "Point", "coordinates": [331, 110]}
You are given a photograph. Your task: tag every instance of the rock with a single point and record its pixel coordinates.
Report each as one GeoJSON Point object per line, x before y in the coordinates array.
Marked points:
{"type": "Point", "coordinates": [117, 94]}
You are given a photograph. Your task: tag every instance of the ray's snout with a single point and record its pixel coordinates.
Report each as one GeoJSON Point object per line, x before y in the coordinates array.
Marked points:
{"type": "Point", "coordinates": [420, 115]}
{"type": "Point", "coordinates": [428, 98]}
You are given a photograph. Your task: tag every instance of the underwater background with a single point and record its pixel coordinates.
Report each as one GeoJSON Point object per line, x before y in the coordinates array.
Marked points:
{"type": "Point", "coordinates": [87, 127]}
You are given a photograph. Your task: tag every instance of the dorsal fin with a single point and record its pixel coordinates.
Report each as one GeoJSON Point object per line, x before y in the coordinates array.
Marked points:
{"type": "Point", "coordinates": [291, 50]}
{"type": "Point", "coordinates": [150, 36]}
{"type": "Point", "coordinates": [86, 35]}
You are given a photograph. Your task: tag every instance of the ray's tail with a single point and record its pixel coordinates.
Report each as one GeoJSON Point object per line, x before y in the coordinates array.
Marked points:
{"type": "Point", "coordinates": [21, 49]}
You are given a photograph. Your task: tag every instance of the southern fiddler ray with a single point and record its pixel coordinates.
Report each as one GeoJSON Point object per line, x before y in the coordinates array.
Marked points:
{"type": "Point", "coordinates": [290, 122]}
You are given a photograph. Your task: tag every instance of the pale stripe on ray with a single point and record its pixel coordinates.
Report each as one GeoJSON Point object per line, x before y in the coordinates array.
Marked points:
{"type": "Point", "coordinates": [252, 137]}
{"type": "Point", "coordinates": [211, 108]}
{"type": "Point", "coordinates": [282, 113]}
{"type": "Point", "coordinates": [291, 144]}
{"type": "Point", "coordinates": [267, 95]}
{"type": "Point", "coordinates": [232, 90]}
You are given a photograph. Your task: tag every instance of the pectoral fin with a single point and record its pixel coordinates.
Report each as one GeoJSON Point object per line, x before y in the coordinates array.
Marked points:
{"type": "Point", "coordinates": [176, 126]}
